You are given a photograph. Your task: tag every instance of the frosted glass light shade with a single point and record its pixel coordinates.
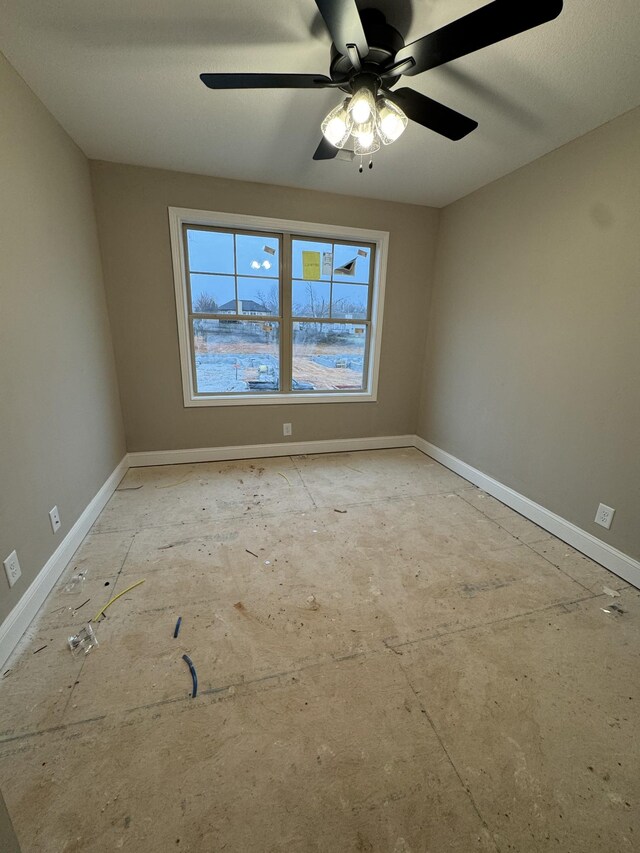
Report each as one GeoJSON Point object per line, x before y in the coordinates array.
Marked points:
{"type": "Point", "coordinates": [362, 107]}
{"type": "Point", "coordinates": [367, 142]}
{"type": "Point", "coordinates": [336, 126]}
{"type": "Point", "coordinates": [391, 121]}
{"type": "Point", "coordinates": [363, 131]}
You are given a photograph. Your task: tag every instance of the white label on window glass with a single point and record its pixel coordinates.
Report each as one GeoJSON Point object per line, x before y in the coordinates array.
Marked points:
{"type": "Point", "coordinates": [327, 261]}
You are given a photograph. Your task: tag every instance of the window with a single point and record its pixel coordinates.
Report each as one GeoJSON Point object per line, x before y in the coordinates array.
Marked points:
{"type": "Point", "coordinates": [271, 311]}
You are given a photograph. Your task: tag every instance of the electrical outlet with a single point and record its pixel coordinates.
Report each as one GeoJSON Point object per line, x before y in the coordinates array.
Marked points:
{"type": "Point", "coordinates": [12, 568]}
{"type": "Point", "coordinates": [604, 516]}
{"type": "Point", "coordinates": [54, 517]}
{"type": "Point", "coordinates": [286, 429]}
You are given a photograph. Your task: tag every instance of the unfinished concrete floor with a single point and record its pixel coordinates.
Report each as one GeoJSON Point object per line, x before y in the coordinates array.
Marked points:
{"type": "Point", "coordinates": [402, 664]}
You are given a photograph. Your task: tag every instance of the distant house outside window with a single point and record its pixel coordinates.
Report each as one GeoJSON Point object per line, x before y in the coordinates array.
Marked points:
{"type": "Point", "coordinates": [272, 311]}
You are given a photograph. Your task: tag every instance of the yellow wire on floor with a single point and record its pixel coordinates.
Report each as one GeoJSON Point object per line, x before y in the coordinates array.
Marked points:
{"type": "Point", "coordinates": [115, 598]}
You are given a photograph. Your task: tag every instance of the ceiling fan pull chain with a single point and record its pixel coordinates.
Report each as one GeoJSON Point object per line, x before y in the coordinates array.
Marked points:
{"type": "Point", "coordinates": [371, 163]}
{"type": "Point", "coordinates": [360, 166]}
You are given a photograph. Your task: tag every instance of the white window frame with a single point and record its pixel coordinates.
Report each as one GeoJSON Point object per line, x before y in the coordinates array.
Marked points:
{"type": "Point", "coordinates": [179, 216]}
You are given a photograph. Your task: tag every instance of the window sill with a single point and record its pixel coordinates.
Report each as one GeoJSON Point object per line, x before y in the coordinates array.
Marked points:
{"type": "Point", "coordinates": [280, 399]}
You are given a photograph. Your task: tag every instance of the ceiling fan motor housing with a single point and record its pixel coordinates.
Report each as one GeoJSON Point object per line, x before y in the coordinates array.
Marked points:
{"type": "Point", "coordinates": [384, 42]}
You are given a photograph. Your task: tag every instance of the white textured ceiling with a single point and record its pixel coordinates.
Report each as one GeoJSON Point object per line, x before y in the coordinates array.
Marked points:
{"type": "Point", "coordinates": [122, 77]}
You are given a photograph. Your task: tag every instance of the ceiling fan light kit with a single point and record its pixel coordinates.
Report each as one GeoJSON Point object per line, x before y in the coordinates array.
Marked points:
{"type": "Point", "coordinates": [365, 120]}
{"type": "Point", "coordinates": [368, 57]}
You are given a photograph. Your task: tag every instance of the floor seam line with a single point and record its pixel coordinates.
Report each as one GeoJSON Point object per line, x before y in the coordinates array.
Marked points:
{"type": "Point", "coordinates": [481, 625]}
{"type": "Point", "coordinates": [304, 485]}
{"type": "Point", "coordinates": [530, 545]}
{"type": "Point", "coordinates": [465, 788]}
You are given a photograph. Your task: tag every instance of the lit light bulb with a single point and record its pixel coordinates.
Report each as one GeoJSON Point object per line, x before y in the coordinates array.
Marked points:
{"type": "Point", "coordinates": [336, 127]}
{"type": "Point", "coordinates": [391, 121]}
{"type": "Point", "coordinates": [367, 142]}
{"type": "Point", "coordinates": [364, 130]}
{"type": "Point", "coordinates": [362, 106]}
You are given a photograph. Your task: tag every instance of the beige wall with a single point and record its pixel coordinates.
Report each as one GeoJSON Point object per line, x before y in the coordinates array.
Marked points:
{"type": "Point", "coordinates": [533, 360]}
{"type": "Point", "coordinates": [131, 208]}
{"type": "Point", "coordinates": [60, 423]}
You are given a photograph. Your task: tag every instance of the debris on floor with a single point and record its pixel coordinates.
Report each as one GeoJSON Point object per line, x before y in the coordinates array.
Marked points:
{"type": "Point", "coordinates": [115, 598]}
{"type": "Point", "coordinates": [612, 592]}
{"type": "Point", "coordinates": [313, 603]}
{"type": "Point", "coordinates": [613, 608]}
{"type": "Point", "coordinates": [176, 630]}
{"type": "Point", "coordinates": [194, 676]}
{"type": "Point", "coordinates": [84, 640]}
{"type": "Point", "coordinates": [240, 606]}
{"type": "Point", "coordinates": [75, 582]}
{"type": "Point", "coordinates": [41, 648]}
{"type": "Point", "coordinates": [171, 485]}
{"type": "Point", "coordinates": [285, 477]}
{"type": "Point", "coordinates": [129, 488]}
{"type": "Point", "coordinates": [340, 510]}
{"type": "Point", "coordinates": [251, 552]}
{"type": "Point", "coordinates": [75, 609]}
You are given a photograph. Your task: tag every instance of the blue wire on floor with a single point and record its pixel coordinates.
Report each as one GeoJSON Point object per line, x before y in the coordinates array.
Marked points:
{"type": "Point", "coordinates": [188, 661]}
{"type": "Point", "coordinates": [177, 628]}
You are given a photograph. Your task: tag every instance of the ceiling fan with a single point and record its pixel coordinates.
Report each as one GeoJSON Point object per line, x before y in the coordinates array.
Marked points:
{"type": "Point", "coordinates": [368, 57]}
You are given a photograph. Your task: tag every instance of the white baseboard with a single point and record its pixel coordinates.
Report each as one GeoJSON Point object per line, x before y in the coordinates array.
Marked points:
{"type": "Point", "coordinates": [261, 451]}
{"type": "Point", "coordinates": [608, 556]}
{"type": "Point", "coordinates": [27, 607]}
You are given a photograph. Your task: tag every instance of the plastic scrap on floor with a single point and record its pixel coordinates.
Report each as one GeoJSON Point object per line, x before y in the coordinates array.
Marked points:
{"type": "Point", "coordinates": [84, 640]}
{"type": "Point", "coordinates": [612, 592]}
{"type": "Point", "coordinates": [340, 510]}
{"type": "Point", "coordinates": [115, 598]}
{"type": "Point", "coordinates": [129, 488]}
{"type": "Point", "coordinates": [178, 483]}
{"type": "Point", "coordinates": [285, 477]}
{"type": "Point", "coordinates": [75, 582]}
{"type": "Point", "coordinates": [251, 552]}
{"type": "Point", "coordinates": [176, 630]}
{"type": "Point", "coordinates": [613, 608]}
{"type": "Point", "coordinates": [194, 676]}
{"type": "Point", "coordinates": [41, 648]}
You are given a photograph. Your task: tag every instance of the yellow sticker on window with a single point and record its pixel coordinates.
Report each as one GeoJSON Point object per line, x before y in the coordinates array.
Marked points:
{"type": "Point", "coordinates": [311, 265]}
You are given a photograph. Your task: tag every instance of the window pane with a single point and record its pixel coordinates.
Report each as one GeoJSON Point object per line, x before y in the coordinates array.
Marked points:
{"type": "Point", "coordinates": [210, 251]}
{"type": "Point", "coordinates": [258, 297]}
{"type": "Point", "coordinates": [310, 298]}
{"type": "Point", "coordinates": [328, 356]}
{"type": "Point", "coordinates": [311, 260]}
{"type": "Point", "coordinates": [257, 255]}
{"type": "Point", "coordinates": [237, 356]}
{"type": "Point", "coordinates": [210, 292]}
{"type": "Point", "coordinates": [351, 263]}
{"type": "Point", "coordinates": [349, 300]}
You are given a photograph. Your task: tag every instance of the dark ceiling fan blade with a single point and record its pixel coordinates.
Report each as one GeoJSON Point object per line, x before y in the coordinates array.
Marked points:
{"type": "Point", "coordinates": [266, 81]}
{"type": "Point", "coordinates": [490, 24]}
{"type": "Point", "coordinates": [345, 27]}
{"type": "Point", "coordinates": [431, 114]}
{"type": "Point", "coordinates": [325, 151]}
